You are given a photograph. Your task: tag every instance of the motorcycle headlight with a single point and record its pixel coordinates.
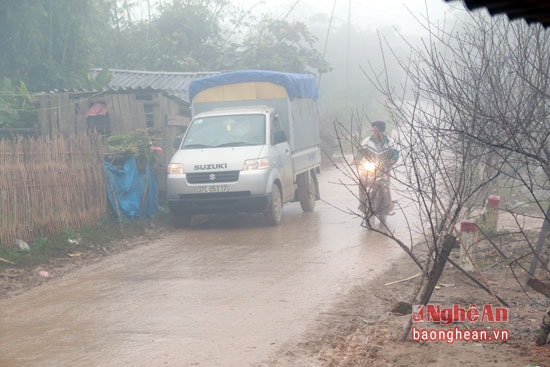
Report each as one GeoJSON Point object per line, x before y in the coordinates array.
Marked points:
{"type": "Point", "coordinates": [175, 169]}
{"type": "Point", "coordinates": [368, 166]}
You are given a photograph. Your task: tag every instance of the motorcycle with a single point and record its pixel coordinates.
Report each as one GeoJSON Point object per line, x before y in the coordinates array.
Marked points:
{"type": "Point", "coordinates": [373, 187]}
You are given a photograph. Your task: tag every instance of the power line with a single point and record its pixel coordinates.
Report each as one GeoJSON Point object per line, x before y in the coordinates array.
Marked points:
{"type": "Point", "coordinates": [326, 39]}
{"type": "Point", "coordinates": [291, 9]}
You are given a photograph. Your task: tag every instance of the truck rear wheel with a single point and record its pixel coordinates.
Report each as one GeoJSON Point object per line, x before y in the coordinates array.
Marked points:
{"type": "Point", "coordinates": [274, 213]}
{"type": "Point", "coordinates": [307, 191]}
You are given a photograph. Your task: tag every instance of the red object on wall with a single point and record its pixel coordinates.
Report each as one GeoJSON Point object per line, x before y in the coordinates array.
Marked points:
{"type": "Point", "coordinates": [97, 109]}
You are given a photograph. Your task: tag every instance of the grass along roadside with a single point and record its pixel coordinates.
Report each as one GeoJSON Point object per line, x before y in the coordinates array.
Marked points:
{"type": "Point", "coordinates": [72, 242]}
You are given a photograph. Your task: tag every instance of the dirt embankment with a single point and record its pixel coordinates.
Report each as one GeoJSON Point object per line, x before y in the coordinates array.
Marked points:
{"type": "Point", "coordinates": [362, 330]}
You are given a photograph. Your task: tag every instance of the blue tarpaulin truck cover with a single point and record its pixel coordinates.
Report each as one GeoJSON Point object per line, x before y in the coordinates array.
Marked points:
{"type": "Point", "coordinates": [296, 85]}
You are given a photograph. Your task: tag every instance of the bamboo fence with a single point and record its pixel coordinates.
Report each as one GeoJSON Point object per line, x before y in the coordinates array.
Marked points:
{"type": "Point", "coordinates": [49, 185]}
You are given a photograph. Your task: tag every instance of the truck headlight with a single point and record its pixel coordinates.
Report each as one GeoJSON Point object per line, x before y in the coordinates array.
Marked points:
{"type": "Point", "coordinates": [175, 169]}
{"type": "Point", "coordinates": [253, 164]}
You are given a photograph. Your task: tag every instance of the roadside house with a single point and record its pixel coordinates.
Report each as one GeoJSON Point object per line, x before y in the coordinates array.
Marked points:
{"type": "Point", "coordinates": [157, 101]}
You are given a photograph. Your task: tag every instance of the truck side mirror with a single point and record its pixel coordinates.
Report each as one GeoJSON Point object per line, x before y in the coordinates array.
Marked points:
{"type": "Point", "coordinates": [177, 141]}
{"type": "Point", "coordinates": [278, 137]}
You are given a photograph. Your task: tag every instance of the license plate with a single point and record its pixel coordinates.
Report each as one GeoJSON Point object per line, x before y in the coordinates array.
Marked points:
{"type": "Point", "coordinates": [213, 188]}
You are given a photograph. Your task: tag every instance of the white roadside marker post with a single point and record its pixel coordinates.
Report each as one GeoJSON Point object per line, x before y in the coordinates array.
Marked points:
{"type": "Point", "coordinates": [467, 244]}
{"type": "Point", "coordinates": [493, 204]}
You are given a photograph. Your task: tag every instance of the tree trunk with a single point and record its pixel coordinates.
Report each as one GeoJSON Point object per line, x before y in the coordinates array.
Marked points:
{"type": "Point", "coordinates": [433, 275]}
{"type": "Point", "coordinates": [544, 328]}
{"type": "Point", "coordinates": [541, 287]}
{"type": "Point", "coordinates": [437, 268]}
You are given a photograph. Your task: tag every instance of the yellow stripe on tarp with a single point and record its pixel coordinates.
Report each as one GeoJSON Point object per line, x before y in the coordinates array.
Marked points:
{"type": "Point", "coordinates": [241, 91]}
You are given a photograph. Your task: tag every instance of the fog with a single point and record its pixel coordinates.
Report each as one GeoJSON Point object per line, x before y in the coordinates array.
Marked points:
{"type": "Point", "coordinates": [363, 15]}
{"type": "Point", "coordinates": [350, 34]}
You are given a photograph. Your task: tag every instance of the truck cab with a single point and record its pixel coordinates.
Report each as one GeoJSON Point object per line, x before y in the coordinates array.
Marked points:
{"type": "Point", "coordinates": [229, 160]}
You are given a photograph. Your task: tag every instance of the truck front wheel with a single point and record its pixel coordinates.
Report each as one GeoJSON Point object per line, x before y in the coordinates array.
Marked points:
{"type": "Point", "coordinates": [274, 213]}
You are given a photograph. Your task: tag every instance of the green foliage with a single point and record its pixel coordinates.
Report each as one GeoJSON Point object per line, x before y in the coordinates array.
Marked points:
{"type": "Point", "coordinates": [135, 144]}
{"type": "Point", "coordinates": [101, 80]}
{"type": "Point", "coordinates": [53, 44]}
{"type": "Point", "coordinates": [195, 35]}
{"type": "Point", "coordinates": [16, 108]}
{"type": "Point", "coordinates": [46, 43]}
{"type": "Point", "coordinates": [185, 36]}
{"type": "Point", "coordinates": [283, 46]}
{"type": "Point", "coordinates": [40, 251]}
{"type": "Point", "coordinates": [191, 33]}
{"type": "Point", "coordinates": [105, 234]}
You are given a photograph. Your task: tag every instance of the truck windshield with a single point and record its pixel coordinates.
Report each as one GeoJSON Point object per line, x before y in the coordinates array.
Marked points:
{"type": "Point", "coordinates": [225, 131]}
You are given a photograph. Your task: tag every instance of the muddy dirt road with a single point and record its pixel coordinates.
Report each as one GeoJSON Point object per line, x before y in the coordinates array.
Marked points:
{"type": "Point", "coordinates": [226, 292]}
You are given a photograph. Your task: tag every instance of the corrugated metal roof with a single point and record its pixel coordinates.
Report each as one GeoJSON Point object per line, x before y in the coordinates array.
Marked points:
{"type": "Point", "coordinates": [533, 11]}
{"type": "Point", "coordinates": [173, 84]}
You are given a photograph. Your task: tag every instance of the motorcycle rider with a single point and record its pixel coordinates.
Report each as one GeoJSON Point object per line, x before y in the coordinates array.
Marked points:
{"type": "Point", "coordinates": [379, 142]}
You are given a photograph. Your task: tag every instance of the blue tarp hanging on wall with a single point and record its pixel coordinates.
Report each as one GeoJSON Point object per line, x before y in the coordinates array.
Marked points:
{"type": "Point", "coordinates": [126, 188]}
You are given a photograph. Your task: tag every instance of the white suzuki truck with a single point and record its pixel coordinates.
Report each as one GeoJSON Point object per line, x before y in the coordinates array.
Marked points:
{"type": "Point", "coordinates": [253, 145]}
